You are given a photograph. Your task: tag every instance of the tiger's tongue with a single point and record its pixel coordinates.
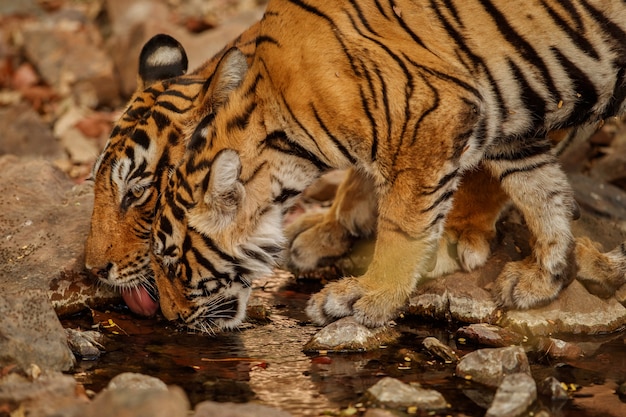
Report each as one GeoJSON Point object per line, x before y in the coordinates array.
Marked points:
{"type": "Point", "coordinates": [140, 302]}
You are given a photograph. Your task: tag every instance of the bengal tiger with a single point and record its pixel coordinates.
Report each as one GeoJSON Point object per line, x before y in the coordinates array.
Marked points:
{"type": "Point", "coordinates": [146, 143]}
{"type": "Point", "coordinates": [411, 95]}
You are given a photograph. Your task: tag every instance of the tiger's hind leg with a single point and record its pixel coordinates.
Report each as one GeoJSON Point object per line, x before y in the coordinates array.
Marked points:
{"type": "Point", "coordinates": [318, 239]}
{"type": "Point", "coordinates": [471, 224]}
{"type": "Point", "coordinates": [601, 273]}
{"type": "Point", "coordinates": [531, 176]}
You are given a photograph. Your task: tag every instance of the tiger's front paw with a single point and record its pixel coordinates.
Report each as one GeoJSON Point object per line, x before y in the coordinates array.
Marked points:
{"type": "Point", "coordinates": [314, 242]}
{"type": "Point", "coordinates": [334, 301]}
{"type": "Point", "coordinates": [348, 297]}
{"type": "Point", "coordinates": [523, 285]}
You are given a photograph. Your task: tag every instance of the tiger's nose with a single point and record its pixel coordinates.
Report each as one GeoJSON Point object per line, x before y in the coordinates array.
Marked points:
{"type": "Point", "coordinates": [101, 273]}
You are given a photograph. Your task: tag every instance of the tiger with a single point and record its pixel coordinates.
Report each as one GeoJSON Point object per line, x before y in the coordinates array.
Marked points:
{"type": "Point", "coordinates": [411, 95]}
{"type": "Point", "coordinates": [145, 145]}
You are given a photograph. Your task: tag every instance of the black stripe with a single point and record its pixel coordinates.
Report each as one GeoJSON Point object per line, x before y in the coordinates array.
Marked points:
{"type": "Point", "coordinates": [442, 182]}
{"type": "Point", "coordinates": [141, 138]}
{"type": "Point", "coordinates": [286, 194]}
{"type": "Point", "coordinates": [198, 139]}
{"type": "Point", "coordinates": [582, 85]}
{"type": "Point", "coordinates": [280, 142]}
{"type": "Point", "coordinates": [443, 197]}
{"type": "Point", "coordinates": [524, 48]}
{"type": "Point", "coordinates": [609, 28]}
{"type": "Point", "coordinates": [160, 119]}
{"type": "Point", "coordinates": [172, 107]}
{"type": "Point", "coordinates": [520, 152]}
{"type": "Point", "coordinates": [381, 10]}
{"type": "Point", "coordinates": [240, 122]}
{"type": "Point", "coordinates": [344, 151]}
{"type": "Point", "coordinates": [266, 39]}
{"type": "Point", "coordinates": [372, 123]}
{"type": "Point", "coordinates": [576, 34]}
{"type": "Point", "coordinates": [532, 101]}
{"type": "Point", "coordinates": [526, 168]}
{"type": "Point", "coordinates": [407, 29]}
{"type": "Point", "coordinates": [363, 19]}
{"type": "Point", "coordinates": [335, 30]}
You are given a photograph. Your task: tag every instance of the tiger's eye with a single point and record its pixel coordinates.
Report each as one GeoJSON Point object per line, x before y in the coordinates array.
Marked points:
{"type": "Point", "coordinates": [137, 191]}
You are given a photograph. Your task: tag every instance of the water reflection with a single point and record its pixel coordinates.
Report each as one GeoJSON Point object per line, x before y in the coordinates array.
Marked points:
{"type": "Point", "coordinates": [265, 362]}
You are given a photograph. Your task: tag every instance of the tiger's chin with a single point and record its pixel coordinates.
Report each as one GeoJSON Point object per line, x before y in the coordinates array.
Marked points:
{"type": "Point", "coordinates": [223, 310]}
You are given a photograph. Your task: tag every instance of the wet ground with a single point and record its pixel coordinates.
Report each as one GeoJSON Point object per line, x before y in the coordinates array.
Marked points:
{"type": "Point", "coordinates": [264, 362]}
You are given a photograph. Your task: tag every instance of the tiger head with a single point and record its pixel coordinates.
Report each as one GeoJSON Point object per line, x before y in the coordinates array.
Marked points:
{"type": "Point", "coordinates": [144, 148]}
{"type": "Point", "coordinates": [219, 221]}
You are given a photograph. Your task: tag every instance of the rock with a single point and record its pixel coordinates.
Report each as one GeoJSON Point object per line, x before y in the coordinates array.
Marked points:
{"type": "Point", "coordinates": [30, 332]}
{"type": "Point", "coordinates": [552, 387]}
{"type": "Point", "coordinates": [85, 344]}
{"type": "Point", "coordinates": [379, 412]}
{"type": "Point", "coordinates": [514, 395]}
{"type": "Point", "coordinates": [457, 296]}
{"type": "Point", "coordinates": [559, 349]}
{"type": "Point", "coordinates": [347, 335]}
{"type": "Point", "coordinates": [488, 335]}
{"type": "Point", "coordinates": [210, 409]}
{"type": "Point", "coordinates": [131, 395]}
{"type": "Point", "coordinates": [490, 366]}
{"type": "Point", "coordinates": [576, 311]}
{"type": "Point", "coordinates": [599, 197]}
{"type": "Point", "coordinates": [24, 133]}
{"type": "Point", "coordinates": [396, 394]}
{"type": "Point", "coordinates": [135, 381]}
{"type": "Point", "coordinates": [70, 57]}
{"type": "Point", "coordinates": [49, 394]}
{"type": "Point", "coordinates": [438, 349]}
{"type": "Point", "coordinates": [44, 221]}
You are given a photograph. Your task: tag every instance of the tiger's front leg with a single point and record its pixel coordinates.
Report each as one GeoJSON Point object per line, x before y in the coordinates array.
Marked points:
{"type": "Point", "coordinates": [410, 223]}
{"type": "Point", "coordinates": [541, 191]}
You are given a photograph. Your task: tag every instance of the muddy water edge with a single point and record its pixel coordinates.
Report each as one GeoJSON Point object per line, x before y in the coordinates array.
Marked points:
{"type": "Point", "coordinates": [264, 362]}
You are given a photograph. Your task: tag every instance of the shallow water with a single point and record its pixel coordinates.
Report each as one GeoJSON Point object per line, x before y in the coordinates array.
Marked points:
{"type": "Point", "coordinates": [265, 363]}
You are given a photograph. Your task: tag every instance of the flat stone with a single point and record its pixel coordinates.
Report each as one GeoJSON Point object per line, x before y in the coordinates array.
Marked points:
{"type": "Point", "coordinates": [30, 332]}
{"type": "Point", "coordinates": [440, 350]}
{"type": "Point", "coordinates": [394, 393]}
{"type": "Point", "coordinates": [49, 394]}
{"type": "Point", "coordinates": [559, 349]}
{"type": "Point", "coordinates": [490, 366]}
{"type": "Point", "coordinates": [210, 409]}
{"type": "Point", "coordinates": [576, 311]}
{"type": "Point", "coordinates": [489, 335]}
{"type": "Point", "coordinates": [132, 402]}
{"type": "Point", "coordinates": [44, 221]}
{"type": "Point", "coordinates": [514, 395]}
{"type": "Point", "coordinates": [347, 335]}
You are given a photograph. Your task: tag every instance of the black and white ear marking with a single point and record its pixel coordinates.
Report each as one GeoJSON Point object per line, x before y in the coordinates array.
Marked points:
{"type": "Point", "coordinates": [225, 192]}
{"type": "Point", "coordinates": [162, 57]}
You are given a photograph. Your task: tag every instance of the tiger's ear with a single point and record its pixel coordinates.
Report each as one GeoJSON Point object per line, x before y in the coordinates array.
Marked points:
{"type": "Point", "coordinates": [225, 192]}
{"type": "Point", "coordinates": [228, 75]}
{"type": "Point", "coordinates": [162, 57]}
